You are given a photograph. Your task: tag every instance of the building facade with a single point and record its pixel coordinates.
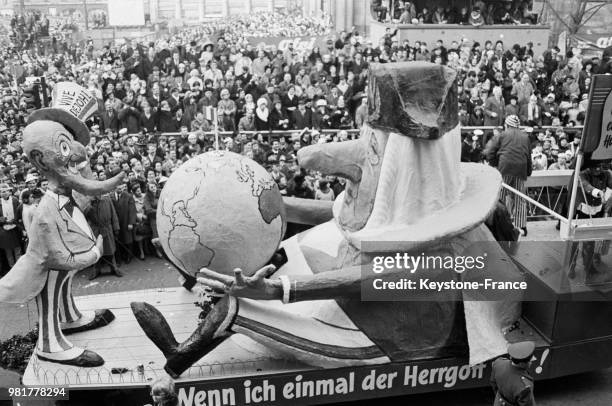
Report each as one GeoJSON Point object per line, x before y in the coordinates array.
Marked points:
{"type": "Point", "coordinates": [201, 9]}
{"type": "Point", "coordinates": [155, 10]}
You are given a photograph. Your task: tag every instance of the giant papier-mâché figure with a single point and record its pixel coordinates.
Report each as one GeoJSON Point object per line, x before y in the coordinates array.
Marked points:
{"type": "Point", "coordinates": [60, 241]}
{"type": "Point", "coordinates": [407, 191]}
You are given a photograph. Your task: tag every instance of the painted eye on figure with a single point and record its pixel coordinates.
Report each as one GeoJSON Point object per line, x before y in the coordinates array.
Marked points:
{"type": "Point", "coordinates": [64, 148]}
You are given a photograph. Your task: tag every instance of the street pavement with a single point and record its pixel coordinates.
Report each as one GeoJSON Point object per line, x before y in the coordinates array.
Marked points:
{"type": "Point", "coordinates": [591, 389]}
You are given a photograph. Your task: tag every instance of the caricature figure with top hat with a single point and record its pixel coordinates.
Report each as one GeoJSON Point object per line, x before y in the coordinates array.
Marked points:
{"type": "Point", "coordinates": [62, 243]}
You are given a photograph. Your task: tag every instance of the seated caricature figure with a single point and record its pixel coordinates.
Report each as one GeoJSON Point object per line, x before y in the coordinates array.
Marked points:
{"type": "Point", "coordinates": [408, 191]}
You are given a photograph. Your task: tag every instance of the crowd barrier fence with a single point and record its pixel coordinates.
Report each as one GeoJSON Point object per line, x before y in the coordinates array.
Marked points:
{"type": "Point", "coordinates": [487, 130]}
{"type": "Point", "coordinates": [546, 187]}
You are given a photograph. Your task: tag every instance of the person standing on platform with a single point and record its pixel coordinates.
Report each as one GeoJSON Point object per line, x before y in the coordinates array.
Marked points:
{"type": "Point", "coordinates": [512, 383]}
{"type": "Point", "coordinates": [103, 220]}
{"type": "Point", "coordinates": [512, 153]}
{"type": "Point", "coordinates": [594, 180]}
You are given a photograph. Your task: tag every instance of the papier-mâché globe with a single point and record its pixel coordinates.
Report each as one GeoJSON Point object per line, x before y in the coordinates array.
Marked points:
{"type": "Point", "coordinates": [221, 211]}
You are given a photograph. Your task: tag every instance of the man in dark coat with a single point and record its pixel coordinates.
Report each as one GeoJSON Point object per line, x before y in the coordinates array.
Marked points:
{"type": "Point", "coordinates": [302, 116]}
{"type": "Point", "coordinates": [125, 207]}
{"type": "Point", "coordinates": [10, 225]}
{"type": "Point", "coordinates": [103, 220]}
{"type": "Point", "coordinates": [510, 378]}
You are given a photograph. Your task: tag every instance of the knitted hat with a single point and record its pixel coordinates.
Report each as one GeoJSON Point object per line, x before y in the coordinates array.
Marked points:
{"type": "Point", "coordinates": [513, 121]}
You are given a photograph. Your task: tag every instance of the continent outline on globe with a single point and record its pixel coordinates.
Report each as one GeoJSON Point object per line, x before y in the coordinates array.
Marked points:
{"type": "Point", "coordinates": [206, 219]}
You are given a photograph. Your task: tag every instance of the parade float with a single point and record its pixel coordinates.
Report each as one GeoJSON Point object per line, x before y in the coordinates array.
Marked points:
{"type": "Point", "coordinates": [301, 324]}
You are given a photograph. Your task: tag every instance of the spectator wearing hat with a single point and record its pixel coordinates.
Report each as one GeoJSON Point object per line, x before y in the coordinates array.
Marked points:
{"type": "Point", "coordinates": [302, 116]}
{"type": "Point", "coordinates": [226, 110]}
{"type": "Point", "coordinates": [550, 110]}
{"type": "Point", "coordinates": [320, 118]}
{"type": "Point", "coordinates": [511, 381]}
{"type": "Point", "coordinates": [476, 153]}
{"type": "Point", "coordinates": [512, 108]}
{"type": "Point", "coordinates": [31, 181]}
{"type": "Point", "coordinates": [511, 154]}
{"type": "Point", "coordinates": [132, 150]}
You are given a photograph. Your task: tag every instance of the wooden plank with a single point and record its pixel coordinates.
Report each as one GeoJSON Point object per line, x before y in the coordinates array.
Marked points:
{"type": "Point", "coordinates": [549, 178]}
{"type": "Point", "coordinates": [123, 344]}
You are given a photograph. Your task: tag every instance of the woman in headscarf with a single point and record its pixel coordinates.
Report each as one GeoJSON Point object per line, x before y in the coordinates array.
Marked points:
{"type": "Point", "coordinates": [262, 122]}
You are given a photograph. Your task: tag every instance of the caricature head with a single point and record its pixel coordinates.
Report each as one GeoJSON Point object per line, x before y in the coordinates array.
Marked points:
{"type": "Point", "coordinates": [55, 139]}
{"type": "Point", "coordinates": [405, 166]}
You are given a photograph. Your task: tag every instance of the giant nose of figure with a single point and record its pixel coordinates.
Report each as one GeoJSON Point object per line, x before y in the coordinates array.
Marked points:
{"type": "Point", "coordinates": [339, 159]}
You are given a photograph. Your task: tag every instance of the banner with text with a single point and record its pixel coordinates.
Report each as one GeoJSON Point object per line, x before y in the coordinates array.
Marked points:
{"type": "Point", "coordinates": [597, 135]}
{"type": "Point", "coordinates": [325, 386]}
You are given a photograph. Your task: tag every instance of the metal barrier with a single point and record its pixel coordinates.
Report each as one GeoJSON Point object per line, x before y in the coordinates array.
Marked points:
{"type": "Point", "coordinates": [288, 133]}
{"type": "Point", "coordinates": [548, 188]}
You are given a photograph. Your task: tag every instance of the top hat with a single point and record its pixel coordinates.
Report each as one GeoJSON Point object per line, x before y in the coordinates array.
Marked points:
{"type": "Point", "coordinates": [71, 106]}
{"type": "Point", "coordinates": [415, 99]}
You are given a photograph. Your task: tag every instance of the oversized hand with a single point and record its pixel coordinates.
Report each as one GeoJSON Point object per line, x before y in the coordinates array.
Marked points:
{"type": "Point", "coordinates": [257, 286]}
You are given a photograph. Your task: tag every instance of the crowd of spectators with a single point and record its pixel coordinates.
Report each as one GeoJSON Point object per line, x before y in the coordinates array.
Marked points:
{"type": "Point", "coordinates": [160, 103]}
{"type": "Point", "coordinates": [480, 13]}
{"type": "Point", "coordinates": [27, 28]}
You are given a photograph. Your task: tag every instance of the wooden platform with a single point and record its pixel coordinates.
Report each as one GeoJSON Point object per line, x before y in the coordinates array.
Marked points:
{"type": "Point", "coordinates": [123, 344]}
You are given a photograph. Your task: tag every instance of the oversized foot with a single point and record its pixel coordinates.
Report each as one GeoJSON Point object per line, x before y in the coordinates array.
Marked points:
{"type": "Point", "coordinates": [209, 333]}
{"type": "Point", "coordinates": [99, 318]}
{"type": "Point", "coordinates": [155, 326]}
{"type": "Point", "coordinates": [84, 359]}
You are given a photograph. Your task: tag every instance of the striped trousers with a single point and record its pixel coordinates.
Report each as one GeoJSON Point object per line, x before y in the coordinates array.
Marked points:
{"type": "Point", "coordinates": [56, 304]}
{"type": "Point", "coordinates": [515, 204]}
